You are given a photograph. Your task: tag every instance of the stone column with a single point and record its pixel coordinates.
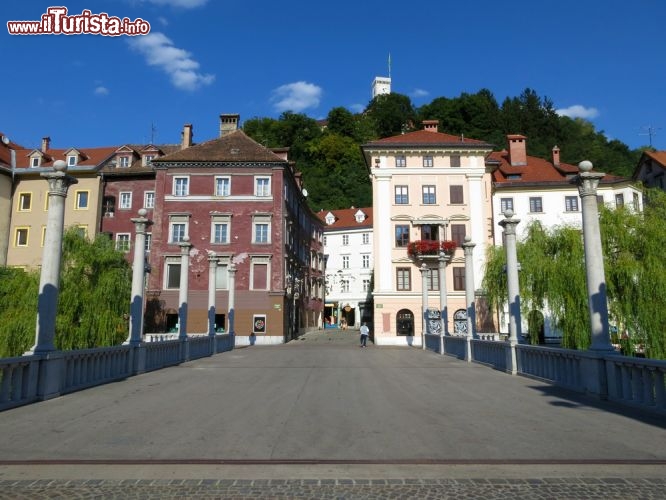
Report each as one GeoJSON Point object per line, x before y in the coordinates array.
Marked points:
{"type": "Point", "coordinates": [443, 260]}
{"type": "Point", "coordinates": [212, 268]}
{"type": "Point", "coordinates": [468, 248]}
{"type": "Point", "coordinates": [49, 282]}
{"type": "Point", "coordinates": [594, 258]}
{"type": "Point", "coordinates": [509, 224]}
{"type": "Point", "coordinates": [424, 302]}
{"type": "Point", "coordinates": [138, 277]}
{"type": "Point", "coordinates": [185, 246]}
{"type": "Point", "coordinates": [232, 298]}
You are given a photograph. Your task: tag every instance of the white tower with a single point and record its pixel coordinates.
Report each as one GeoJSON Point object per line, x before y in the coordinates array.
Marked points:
{"type": "Point", "coordinates": [381, 85]}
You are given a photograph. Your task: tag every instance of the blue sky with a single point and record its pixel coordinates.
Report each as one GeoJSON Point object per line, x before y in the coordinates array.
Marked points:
{"type": "Point", "coordinates": [600, 59]}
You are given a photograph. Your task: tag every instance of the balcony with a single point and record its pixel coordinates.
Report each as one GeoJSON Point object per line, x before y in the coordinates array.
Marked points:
{"type": "Point", "coordinates": [430, 249]}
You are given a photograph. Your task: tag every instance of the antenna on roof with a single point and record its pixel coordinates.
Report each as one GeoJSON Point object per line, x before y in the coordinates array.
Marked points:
{"type": "Point", "coordinates": [650, 131]}
{"type": "Point", "coordinates": [389, 64]}
{"type": "Point", "coordinates": [153, 131]}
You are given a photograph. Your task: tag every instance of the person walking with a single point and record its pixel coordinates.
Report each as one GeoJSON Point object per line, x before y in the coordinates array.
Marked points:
{"type": "Point", "coordinates": [365, 333]}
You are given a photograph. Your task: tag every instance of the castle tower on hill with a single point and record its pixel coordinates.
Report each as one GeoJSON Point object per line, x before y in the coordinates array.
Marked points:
{"type": "Point", "coordinates": [381, 85]}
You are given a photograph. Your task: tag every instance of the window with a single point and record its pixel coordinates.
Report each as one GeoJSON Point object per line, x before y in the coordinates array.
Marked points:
{"type": "Point", "coordinates": [178, 226]}
{"type": "Point", "coordinates": [34, 162]}
{"type": "Point", "coordinates": [400, 161]}
{"type": "Point", "coordinates": [455, 161]}
{"type": "Point", "coordinates": [25, 202]}
{"type": "Point", "coordinates": [536, 205]}
{"type": "Point", "coordinates": [506, 204]}
{"type": "Point", "coordinates": [149, 242]}
{"type": "Point", "coordinates": [123, 161]}
{"type": "Point", "coordinates": [21, 237]}
{"type": "Point", "coordinates": [458, 278]}
{"type": "Point", "coordinates": [222, 186]}
{"type": "Point", "coordinates": [147, 160]}
{"type": "Point", "coordinates": [344, 286]}
{"type": "Point", "coordinates": [262, 186]}
{"type": "Point", "coordinates": [401, 236]}
{"type": "Point", "coordinates": [427, 161]}
{"type": "Point", "coordinates": [125, 200]}
{"type": "Point", "coordinates": [619, 200]}
{"type": "Point", "coordinates": [261, 229]}
{"type": "Point", "coordinates": [181, 186]}
{"type": "Point", "coordinates": [109, 205]}
{"type": "Point", "coordinates": [345, 262]}
{"type": "Point", "coordinates": [71, 160]}
{"type": "Point", "coordinates": [637, 205]}
{"type": "Point", "coordinates": [430, 232]}
{"type": "Point", "coordinates": [366, 285]}
{"type": "Point", "coordinates": [222, 277]}
{"type": "Point", "coordinates": [365, 260]}
{"type": "Point", "coordinates": [401, 195]}
{"type": "Point", "coordinates": [123, 242]}
{"type": "Point", "coordinates": [456, 194]}
{"type": "Point", "coordinates": [345, 239]}
{"type": "Point", "coordinates": [403, 278]}
{"type": "Point", "coordinates": [432, 280]}
{"type": "Point", "coordinates": [458, 233]}
{"type": "Point", "coordinates": [366, 238]}
{"type": "Point", "coordinates": [571, 203]}
{"type": "Point", "coordinates": [172, 275]}
{"type": "Point", "coordinates": [259, 273]}
{"type": "Point", "coordinates": [149, 199]}
{"type": "Point", "coordinates": [429, 197]}
{"type": "Point", "coordinates": [82, 200]}
{"type": "Point", "coordinates": [220, 229]}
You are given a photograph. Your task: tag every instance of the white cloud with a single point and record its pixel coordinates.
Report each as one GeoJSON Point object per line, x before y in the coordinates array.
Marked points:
{"type": "Point", "coordinates": [419, 93]}
{"type": "Point", "coordinates": [188, 4]}
{"type": "Point", "coordinates": [356, 108]}
{"type": "Point", "coordinates": [296, 96]}
{"type": "Point", "coordinates": [101, 90]}
{"type": "Point", "coordinates": [159, 51]}
{"type": "Point", "coordinates": [578, 111]}
{"type": "Point", "coordinates": [163, 21]}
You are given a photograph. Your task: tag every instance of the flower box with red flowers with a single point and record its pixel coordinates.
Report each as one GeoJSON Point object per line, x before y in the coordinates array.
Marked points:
{"type": "Point", "coordinates": [420, 248]}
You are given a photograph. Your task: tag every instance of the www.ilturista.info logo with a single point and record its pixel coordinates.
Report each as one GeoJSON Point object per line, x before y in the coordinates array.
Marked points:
{"type": "Point", "coordinates": [56, 21]}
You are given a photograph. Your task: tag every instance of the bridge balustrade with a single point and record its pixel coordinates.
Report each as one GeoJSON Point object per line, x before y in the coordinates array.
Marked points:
{"type": "Point", "coordinates": [18, 381]}
{"type": "Point", "coordinates": [89, 367]}
{"type": "Point", "coordinates": [455, 346]}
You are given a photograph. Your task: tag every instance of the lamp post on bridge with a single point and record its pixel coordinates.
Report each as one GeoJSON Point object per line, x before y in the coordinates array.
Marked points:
{"type": "Point", "coordinates": [509, 224]}
{"type": "Point", "coordinates": [138, 278]}
{"type": "Point", "coordinates": [468, 248]}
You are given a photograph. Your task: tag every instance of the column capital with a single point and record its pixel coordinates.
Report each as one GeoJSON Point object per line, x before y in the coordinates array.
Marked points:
{"type": "Point", "coordinates": [509, 223]}
{"type": "Point", "coordinates": [185, 246]}
{"type": "Point", "coordinates": [232, 267]}
{"type": "Point", "coordinates": [141, 222]}
{"type": "Point", "coordinates": [423, 268]}
{"type": "Point", "coordinates": [444, 258]}
{"type": "Point", "coordinates": [59, 180]}
{"type": "Point", "coordinates": [588, 182]}
{"type": "Point", "coordinates": [468, 246]}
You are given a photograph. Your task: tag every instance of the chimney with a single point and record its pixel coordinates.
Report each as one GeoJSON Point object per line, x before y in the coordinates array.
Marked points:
{"type": "Point", "coordinates": [430, 125]}
{"type": "Point", "coordinates": [556, 156]}
{"type": "Point", "coordinates": [46, 143]}
{"type": "Point", "coordinates": [186, 136]}
{"type": "Point", "coordinates": [228, 123]}
{"type": "Point", "coordinates": [517, 150]}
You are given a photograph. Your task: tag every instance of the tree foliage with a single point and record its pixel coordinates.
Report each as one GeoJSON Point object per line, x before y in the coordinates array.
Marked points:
{"type": "Point", "coordinates": [93, 301]}
{"type": "Point", "coordinates": [552, 277]}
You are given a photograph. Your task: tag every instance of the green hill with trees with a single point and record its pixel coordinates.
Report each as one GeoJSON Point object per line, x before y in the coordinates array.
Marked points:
{"type": "Point", "coordinates": [330, 158]}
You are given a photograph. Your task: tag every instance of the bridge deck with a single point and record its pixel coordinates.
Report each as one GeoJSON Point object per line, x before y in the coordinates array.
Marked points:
{"type": "Point", "coordinates": [323, 402]}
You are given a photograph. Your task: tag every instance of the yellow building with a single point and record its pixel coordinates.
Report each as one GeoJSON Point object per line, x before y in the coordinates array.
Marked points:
{"type": "Point", "coordinates": [428, 187]}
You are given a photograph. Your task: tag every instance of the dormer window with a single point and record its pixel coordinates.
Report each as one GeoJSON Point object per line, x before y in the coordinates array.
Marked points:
{"type": "Point", "coordinates": [123, 161]}
{"type": "Point", "coordinates": [34, 161]}
{"type": "Point", "coordinates": [330, 218]}
{"type": "Point", "coordinates": [360, 216]}
{"type": "Point", "coordinates": [513, 177]}
{"type": "Point", "coordinates": [147, 159]}
{"type": "Point", "coordinates": [71, 160]}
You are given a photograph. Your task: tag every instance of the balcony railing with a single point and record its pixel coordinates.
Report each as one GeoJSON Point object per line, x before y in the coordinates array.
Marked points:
{"type": "Point", "coordinates": [424, 248]}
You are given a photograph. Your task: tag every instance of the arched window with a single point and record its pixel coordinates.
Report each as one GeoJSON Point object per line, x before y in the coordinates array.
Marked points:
{"type": "Point", "coordinates": [404, 321]}
{"type": "Point", "coordinates": [460, 322]}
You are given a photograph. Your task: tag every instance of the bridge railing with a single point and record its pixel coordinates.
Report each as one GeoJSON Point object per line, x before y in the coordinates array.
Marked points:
{"type": "Point", "coordinates": [637, 382]}
{"type": "Point", "coordinates": [433, 342]}
{"type": "Point", "coordinates": [27, 379]}
{"type": "Point", "coordinates": [560, 366]}
{"type": "Point", "coordinates": [455, 346]}
{"type": "Point", "coordinates": [18, 381]}
{"type": "Point", "coordinates": [490, 352]}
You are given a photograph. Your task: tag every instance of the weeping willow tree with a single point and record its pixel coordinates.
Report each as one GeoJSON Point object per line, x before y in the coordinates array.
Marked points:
{"type": "Point", "coordinates": [93, 303]}
{"type": "Point", "coordinates": [552, 277]}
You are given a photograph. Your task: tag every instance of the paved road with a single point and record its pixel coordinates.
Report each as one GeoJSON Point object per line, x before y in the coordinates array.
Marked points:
{"type": "Point", "coordinates": [320, 417]}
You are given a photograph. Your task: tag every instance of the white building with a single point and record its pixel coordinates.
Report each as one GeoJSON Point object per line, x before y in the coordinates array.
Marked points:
{"type": "Point", "coordinates": [348, 250]}
{"type": "Point", "coordinates": [540, 190]}
{"type": "Point", "coordinates": [381, 85]}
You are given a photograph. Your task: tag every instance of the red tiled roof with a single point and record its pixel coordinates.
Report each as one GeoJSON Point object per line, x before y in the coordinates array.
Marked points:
{"type": "Point", "coordinates": [424, 137]}
{"type": "Point", "coordinates": [5, 151]}
{"type": "Point", "coordinates": [92, 157]}
{"type": "Point", "coordinates": [137, 150]}
{"type": "Point", "coordinates": [346, 218]}
{"type": "Point", "coordinates": [233, 147]}
{"type": "Point", "coordinates": [658, 156]}
{"type": "Point", "coordinates": [536, 171]}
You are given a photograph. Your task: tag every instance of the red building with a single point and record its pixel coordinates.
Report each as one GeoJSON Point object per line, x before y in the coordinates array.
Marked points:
{"type": "Point", "coordinates": [242, 202]}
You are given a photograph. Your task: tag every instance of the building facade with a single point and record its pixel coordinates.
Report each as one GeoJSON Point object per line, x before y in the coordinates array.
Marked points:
{"type": "Point", "coordinates": [242, 203]}
{"type": "Point", "coordinates": [651, 169]}
{"type": "Point", "coordinates": [349, 263]}
{"type": "Point", "coordinates": [427, 187]}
